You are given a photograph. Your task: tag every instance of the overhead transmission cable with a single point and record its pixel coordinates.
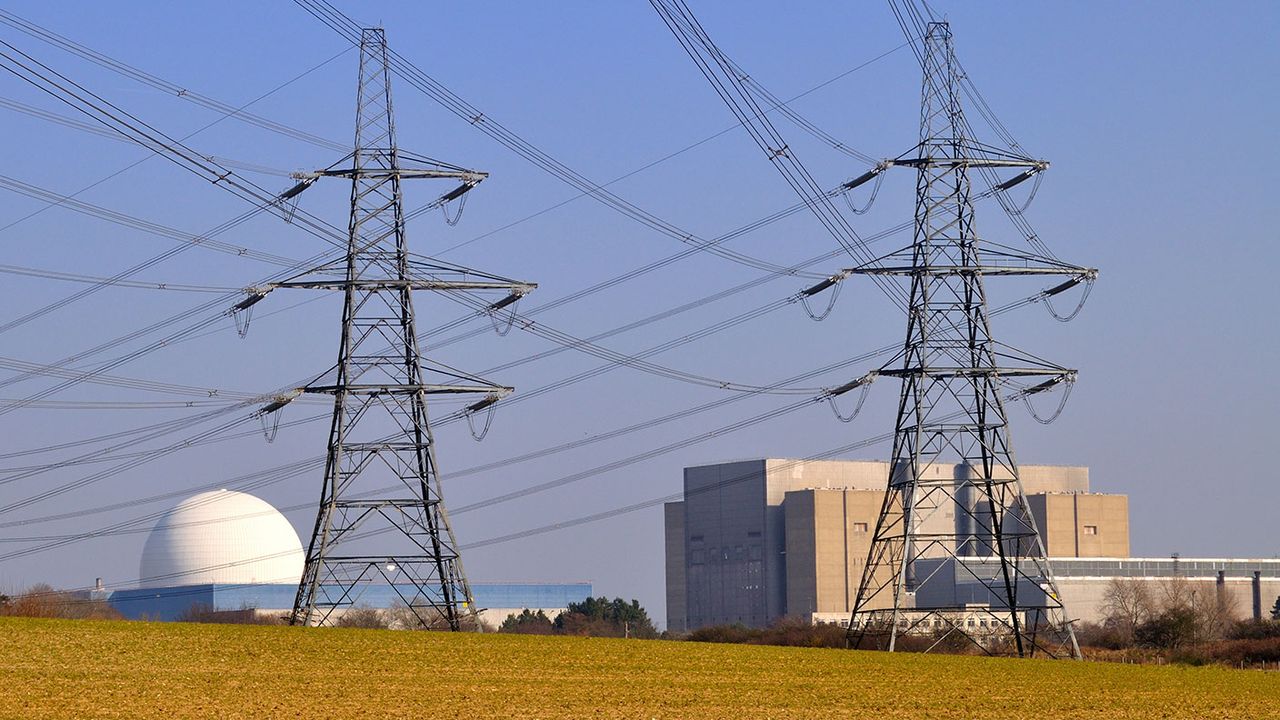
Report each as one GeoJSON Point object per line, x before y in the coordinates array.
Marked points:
{"type": "Point", "coordinates": [121, 68]}
{"type": "Point", "coordinates": [776, 105]}
{"type": "Point", "coordinates": [724, 78]}
{"type": "Point", "coordinates": [552, 527]}
{"type": "Point", "coordinates": [410, 73]}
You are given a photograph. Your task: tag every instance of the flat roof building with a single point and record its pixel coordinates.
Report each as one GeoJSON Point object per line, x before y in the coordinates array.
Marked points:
{"type": "Point", "coordinates": [757, 540]}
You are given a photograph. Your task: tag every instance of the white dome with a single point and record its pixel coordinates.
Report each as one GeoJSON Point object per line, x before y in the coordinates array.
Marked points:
{"type": "Point", "coordinates": [221, 537]}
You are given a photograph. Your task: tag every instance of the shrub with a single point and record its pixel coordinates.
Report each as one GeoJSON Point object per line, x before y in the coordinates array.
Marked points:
{"type": "Point", "coordinates": [43, 601]}
{"type": "Point", "coordinates": [1171, 629]}
{"type": "Point", "coordinates": [601, 617]}
{"type": "Point", "coordinates": [528, 623]}
{"type": "Point", "coordinates": [1254, 630]}
{"type": "Point", "coordinates": [201, 613]}
{"type": "Point", "coordinates": [362, 617]}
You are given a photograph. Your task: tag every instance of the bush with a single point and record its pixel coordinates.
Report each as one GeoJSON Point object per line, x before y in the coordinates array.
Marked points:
{"type": "Point", "coordinates": [528, 623]}
{"type": "Point", "coordinates": [1107, 636]}
{"type": "Point", "coordinates": [201, 613]}
{"type": "Point", "coordinates": [601, 617]}
{"type": "Point", "coordinates": [793, 632]}
{"type": "Point", "coordinates": [1254, 630]}
{"type": "Point", "coordinates": [1169, 630]}
{"type": "Point", "coordinates": [1231, 652]}
{"type": "Point", "coordinates": [363, 617]}
{"type": "Point", "coordinates": [42, 601]}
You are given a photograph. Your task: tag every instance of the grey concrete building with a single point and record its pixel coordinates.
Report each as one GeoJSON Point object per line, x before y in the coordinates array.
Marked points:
{"type": "Point", "coordinates": [757, 540]}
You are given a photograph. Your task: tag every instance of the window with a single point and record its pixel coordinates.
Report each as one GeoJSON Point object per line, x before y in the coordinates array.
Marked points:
{"type": "Point", "coordinates": [1090, 529]}
{"type": "Point", "coordinates": [859, 527]}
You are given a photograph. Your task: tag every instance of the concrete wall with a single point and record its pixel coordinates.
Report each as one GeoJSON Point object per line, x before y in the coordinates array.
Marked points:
{"type": "Point", "coordinates": [737, 536]}
{"type": "Point", "coordinates": [1084, 581]}
{"type": "Point", "coordinates": [1082, 525]}
{"type": "Point", "coordinates": [1085, 598]}
{"type": "Point", "coordinates": [784, 476]}
{"type": "Point", "coordinates": [1054, 478]}
{"type": "Point", "coordinates": [673, 527]}
{"type": "Point", "coordinates": [726, 548]}
{"type": "Point", "coordinates": [828, 536]}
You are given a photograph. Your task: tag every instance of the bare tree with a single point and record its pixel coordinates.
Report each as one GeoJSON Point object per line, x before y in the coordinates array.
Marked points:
{"type": "Point", "coordinates": [1211, 610]}
{"type": "Point", "coordinates": [44, 601]}
{"type": "Point", "coordinates": [1127, 604]}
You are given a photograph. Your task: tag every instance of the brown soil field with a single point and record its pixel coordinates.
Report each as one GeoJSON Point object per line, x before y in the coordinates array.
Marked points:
{"type": "Point", "coordinates": [99, 669]}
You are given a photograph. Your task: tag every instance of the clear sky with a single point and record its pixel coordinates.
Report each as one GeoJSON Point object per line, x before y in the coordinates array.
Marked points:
{"type": "Point", "coordinates": [1156, 118]}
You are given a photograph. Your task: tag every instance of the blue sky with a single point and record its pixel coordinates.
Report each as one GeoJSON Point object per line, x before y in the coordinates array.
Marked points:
{"type": "Point", "coordinates": [1155, 116]}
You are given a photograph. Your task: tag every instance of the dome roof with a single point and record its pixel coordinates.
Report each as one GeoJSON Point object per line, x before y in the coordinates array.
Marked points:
{"type": "Point", "coordinates": [221, 537]}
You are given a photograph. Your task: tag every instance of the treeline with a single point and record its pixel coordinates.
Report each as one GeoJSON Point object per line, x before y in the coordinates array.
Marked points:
{"type": "Point", "coordinates": [1177, 620]}
{"type": "Point", "coordinates": [593, 617]}
{"type": "Point", "coordinates": [42, 601]}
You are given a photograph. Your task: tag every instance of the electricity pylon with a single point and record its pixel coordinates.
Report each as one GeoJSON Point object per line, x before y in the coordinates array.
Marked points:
{"type": "Point", "coordinates": [957, 554]}
{"type": "Point", "coordinates": [381, 479]}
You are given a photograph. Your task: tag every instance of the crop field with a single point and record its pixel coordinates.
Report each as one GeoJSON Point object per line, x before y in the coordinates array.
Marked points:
{"type": "Point", "coordinates": [88, 669]}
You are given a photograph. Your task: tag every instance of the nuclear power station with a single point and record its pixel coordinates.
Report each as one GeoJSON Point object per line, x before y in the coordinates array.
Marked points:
{"type": "Point", "coordinates": [226, 552]}
{"type": "Point", "coordinates": [759, 540]}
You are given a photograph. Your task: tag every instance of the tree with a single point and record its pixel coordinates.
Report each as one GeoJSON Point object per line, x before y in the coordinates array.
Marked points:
{"type": "Point", "coordinates": [528, 622]}
{"type": "Point", "coordinates": [1170, 629]}
{"type": "Point", "coordinates": [1187, 613]}
{"type": "Point", "coordinates": [601, 617]}
{"type": "Point", "coordinates": [1126, 604]}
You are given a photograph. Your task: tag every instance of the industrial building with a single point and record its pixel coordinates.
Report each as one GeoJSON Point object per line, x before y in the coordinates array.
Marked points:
{"type": "Point", "coordinates": [227, 551]}
{"type": "Point", "coordinates": [757, 540]}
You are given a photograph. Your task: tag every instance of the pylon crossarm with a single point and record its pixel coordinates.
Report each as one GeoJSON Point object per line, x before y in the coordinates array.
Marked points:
{"type": "Point", "coordinates": [967, 162]}
{"type": "Point", "coordinates": [407, 284]}
{"type": "Point", "coordinates": [941, 372]}
{"type": "Point", "coordinates": [469, 178]}
{"type": "Point", "coordinates": [991, 259]}
{"type": "Point", "coordinates": [426, 389]}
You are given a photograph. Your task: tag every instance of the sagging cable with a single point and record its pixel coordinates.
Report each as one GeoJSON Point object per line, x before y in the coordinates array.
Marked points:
{"type": "Point", "coordinates": [809, 292]}
{"type": "Point", "coordinates": [863, 382]}
{"type": "Point", "coordinates": [1068, 378]}
{"type": "Point", "coordinates": [270, 413]}
{"type": "Point", "coordinates": [454, 194]}
{"type": "Point", "coordinates": [1088, 280]}
{"type": "Point", "coordinates": [242, 312]}
{"type": "Point", "coordinates": [876, 173]}
{"type": "Point", "coordinates": [503, 327]}
{"type": "Point", "coordinates": [488, 403]}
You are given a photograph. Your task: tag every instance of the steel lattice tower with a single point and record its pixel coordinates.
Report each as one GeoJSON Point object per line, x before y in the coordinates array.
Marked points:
{"type": "Point", "coordinates": [381, 478]}
{"type": "Point", "coordinates": [956, 553]}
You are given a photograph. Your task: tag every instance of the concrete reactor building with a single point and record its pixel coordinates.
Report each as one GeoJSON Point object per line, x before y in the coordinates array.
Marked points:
{"type": "Point", "coordinates": [227, 551]}
{"type": "Point", "coordinates": [758, 540]}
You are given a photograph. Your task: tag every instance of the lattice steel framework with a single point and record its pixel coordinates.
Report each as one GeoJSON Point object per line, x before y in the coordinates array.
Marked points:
{"type": "Point", "coordinates": [381, 477]}
{"type": "Point", "coordinates": [956, 554]}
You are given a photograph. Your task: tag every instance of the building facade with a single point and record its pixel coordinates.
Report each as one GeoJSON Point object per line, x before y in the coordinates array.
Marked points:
{"type": "Point", "coordinates": [759, 540]}
{"type": "Point", "coordinates": [495, 601]}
